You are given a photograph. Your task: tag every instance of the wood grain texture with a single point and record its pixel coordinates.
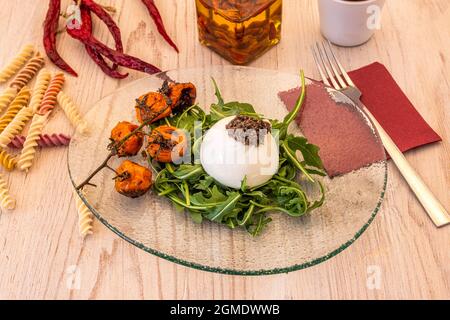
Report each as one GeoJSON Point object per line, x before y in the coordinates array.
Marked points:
{"type": "Point", "coordinates": [43, 256]}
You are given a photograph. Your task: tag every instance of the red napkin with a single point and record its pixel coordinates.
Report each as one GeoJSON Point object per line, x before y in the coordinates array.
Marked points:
{"type": "Point", "coordinates": [345, 144]}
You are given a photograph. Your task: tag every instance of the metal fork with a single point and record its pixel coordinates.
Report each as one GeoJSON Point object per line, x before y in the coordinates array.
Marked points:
{"type": "Point", "coordinates": [334, 75]}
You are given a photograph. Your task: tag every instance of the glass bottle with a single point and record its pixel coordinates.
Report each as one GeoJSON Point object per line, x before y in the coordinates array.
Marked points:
{"type": "Point", "coordinates": [239, 30]}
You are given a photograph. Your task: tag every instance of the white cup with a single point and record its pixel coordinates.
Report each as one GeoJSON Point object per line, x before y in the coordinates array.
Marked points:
{"type": "Point", "coordinates": [349, 23]}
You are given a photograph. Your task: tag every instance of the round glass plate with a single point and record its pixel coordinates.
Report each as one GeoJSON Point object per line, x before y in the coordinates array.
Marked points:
{"type": "Point", "coordinates": [152, 223]}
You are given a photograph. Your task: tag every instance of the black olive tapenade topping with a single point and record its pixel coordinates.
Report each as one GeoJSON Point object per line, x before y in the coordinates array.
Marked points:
{"type": "Point", "coordinates": [248, 130]}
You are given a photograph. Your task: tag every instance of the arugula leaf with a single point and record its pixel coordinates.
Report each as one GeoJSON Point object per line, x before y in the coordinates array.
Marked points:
{"type": "Point", "coordinates": [196, 216]}
{"type": "Point", "coordinates": [291, 156]}
{"type": "Point", "coordinates": [222, 210]}
{"type": "Point", "coordinates": [178, 208]}
{"type": "Point", "coordinates": [319, 202]}
{"type": "Point", "coordinates": [205, 183]}
{"type": "Point", "coordinates": [215, 198]}
{"type": "Point", "coordinates": [222, 110]}
{"type": "Point", "coordinates": [287, 171]}
{"type": "Point", "coordinates": [259, 196]}
{"type": "Point", "coordinates": [244, 186]}
{"type": "Point", "coordinates": [293, 200]}
{"type": "Point", "coordinates": [316, 172]}
{"type": "Point", "coordinates": [235, 107]}
{"type": "Point", "coordinates": [181, 203]}
{"type": "Point", "coordinates": [218, 112]}
{"type": "Point", "coordinates": [247, 215]}
{"type": "Point", "coordinates": [230, 222]}
{"type": "Point", "coordinates": [259, 222]}
{"type": "Point", "coordinates": [186, 192]}
{"type": "Point", "coordinates": [188, 171]}
{"type": "Point", "coordinates": [220, 101]}
{"type": "Point", "coordinates": [280, 129]}
{"type": "Point", "coordinates": [309, 151]}
{"type": "Point", "coordinates": [293, 114]}
{"type": "Point", "coordinates": [189, 117]}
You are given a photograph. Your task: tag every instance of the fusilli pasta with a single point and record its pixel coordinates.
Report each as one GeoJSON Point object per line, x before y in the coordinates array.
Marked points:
{"type": "Point", "coordinates": [85, 218]}
{"type": "Point", "coordinates": [6, 97]}
{"type": "Point", "coordinates": [15, 126]}
{"type": "Point", "coordinates": [20, 101]}
{"type": "Point", "coordinates": [41, 85]}
{"type": "Point", "coordinates": [29, 147]}
{"type": "Point", "coordinates": [49, 101]}
{"type": "Point", "coordinates": [45, 141]}
{"type": "Point", "coordinates": [28, 72]}
{"type": "Point", "coordinates": [6, 160]}
{"type": "Point", "coordinates": [5, 198]}
{"type": "Point", "coordinates": [72, 112]}
{"type": "Point", "coordinates": [17, 63]}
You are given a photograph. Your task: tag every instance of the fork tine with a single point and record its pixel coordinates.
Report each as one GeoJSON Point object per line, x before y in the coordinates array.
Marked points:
{"type": "Point", "coordinates": [329, 74]}
{"type": "Point", "coordinates": [319, 67]}
{"type": "Point", "coordinates": [333, 67]}
{"type": "Point", "coordinates": [344, 73]}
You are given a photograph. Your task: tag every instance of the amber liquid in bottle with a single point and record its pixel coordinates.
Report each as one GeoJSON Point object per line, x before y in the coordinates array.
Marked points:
{"type": "Point", "coordinates": [239, 30]}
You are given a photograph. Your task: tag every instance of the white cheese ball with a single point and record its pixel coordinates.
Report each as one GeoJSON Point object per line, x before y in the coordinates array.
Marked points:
{"type": "Point", "coordinates": [229, 161]}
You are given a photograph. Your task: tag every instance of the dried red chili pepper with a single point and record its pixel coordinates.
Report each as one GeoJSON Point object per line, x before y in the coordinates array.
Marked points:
{"type": "Point", "coordinates": [122, 59]}
{"type": "Point", "coordinates": [84, 35]}
{"type": "Point", "coordinates": [156, 16]}
{"type": "Point", "coordinates": [97, 57]}
{"type": "Point", "coordinates": [103, 15]}
{"type": "Point", "coordinates": [50, 30]}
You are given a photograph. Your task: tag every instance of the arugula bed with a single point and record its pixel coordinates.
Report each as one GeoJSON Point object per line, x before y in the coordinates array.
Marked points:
{"type": "Point", "coordinates": [190, 188]}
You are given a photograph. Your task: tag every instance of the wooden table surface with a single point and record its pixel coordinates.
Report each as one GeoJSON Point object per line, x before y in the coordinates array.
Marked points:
{"type": "Point", "coordinates": [401, 255]}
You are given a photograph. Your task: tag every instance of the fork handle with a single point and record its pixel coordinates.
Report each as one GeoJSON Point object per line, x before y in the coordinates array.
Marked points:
{"type": "Point", "coordinates": [430, 203]}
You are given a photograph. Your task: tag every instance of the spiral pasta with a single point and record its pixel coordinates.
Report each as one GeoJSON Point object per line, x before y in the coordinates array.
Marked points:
{"type": "Point", "coordinates": [72, 112]}
{"type": "Point", "coordinates": [20, 101]}
{"type": "Point", "coordinates": [49, 100]}
{"type": "Point", "coordinates": [7, 160]}
{"type": "Point", "coordinates": [85, 218]}
{"type": "Point", "coordinates": [17, 63]}
{"type": "Point", "coordinates": [45, 141]}
{"type": "Point", "coordinates": [41, 85]}
{"type": "Point", "coordinates": [29, 147]}
{"type": "Point", "coordinates": [5, 198]}
{"type": "Point", "coordinates": [15, 126]}
{"type": "Point", "coordinates": [28, 72]}
{"type": "Point", "coordinates": [6, 97]}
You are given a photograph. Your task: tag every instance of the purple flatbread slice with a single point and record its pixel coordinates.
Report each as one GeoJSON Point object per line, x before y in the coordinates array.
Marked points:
{"type": "Point", "coordinates": [346, 142]}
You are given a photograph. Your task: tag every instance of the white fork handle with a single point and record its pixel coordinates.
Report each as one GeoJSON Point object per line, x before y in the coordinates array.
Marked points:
{"type": "Point", "coordinates": [430, 203]}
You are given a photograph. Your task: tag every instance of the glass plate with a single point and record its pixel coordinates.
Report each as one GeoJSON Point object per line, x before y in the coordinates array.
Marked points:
{"type": "Point", "coordinates": [152, 224]}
